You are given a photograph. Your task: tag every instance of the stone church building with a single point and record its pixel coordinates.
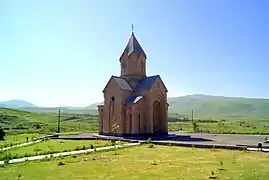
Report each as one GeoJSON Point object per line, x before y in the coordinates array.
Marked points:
{"type": "Point", "coordinates": [134, 102]}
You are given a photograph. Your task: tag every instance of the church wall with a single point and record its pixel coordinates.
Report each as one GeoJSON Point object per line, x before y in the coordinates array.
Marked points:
{"type": "Point", "coordinates": [101, 117]}
{"type": "Point", "coordinates": [112, 114]}
{"type": "Point", "coordinates": [119, 117]}
{"type": "Point", "coordinates": [158, 92]}
{"type": "Point", "coordinates": [135, 66]}
{"type": "Point", "coordinates": [140, 115]}
{"type": "Point", "coordinates": [128, 119]}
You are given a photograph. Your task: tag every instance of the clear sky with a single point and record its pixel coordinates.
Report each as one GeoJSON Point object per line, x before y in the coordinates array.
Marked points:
{"type": "Point", "coordinates": [63, 52]}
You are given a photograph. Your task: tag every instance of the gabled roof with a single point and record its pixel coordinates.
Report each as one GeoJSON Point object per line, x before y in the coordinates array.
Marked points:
{"type": "Point", "coordinates": [133, 46]}
{"type": "Point", "coordinates": [133, 99]}
{"type": "Point", "coordinates": [122, 83]}
{"type": "Point", "coordinates": [147, 83]}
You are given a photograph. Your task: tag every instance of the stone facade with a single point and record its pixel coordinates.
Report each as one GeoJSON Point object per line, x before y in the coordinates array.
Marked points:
{"type": "Point", "coordinates": [134, 102]}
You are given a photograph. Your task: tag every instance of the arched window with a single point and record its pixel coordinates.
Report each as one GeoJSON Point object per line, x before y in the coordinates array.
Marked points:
{"type": "Point", "coordinates": [113, 105]}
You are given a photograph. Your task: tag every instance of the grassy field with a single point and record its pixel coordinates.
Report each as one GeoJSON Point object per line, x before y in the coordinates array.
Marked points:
{"type": "Point", "coordinates": [17, 122]}
{"type": "Point", "coordinates": [226, 127]}
{"type": "Point", "coordinates": [51, 146]}
{"type": "Point", "coordinates": [13, 139]}
{"type": "Point", "coordinates": [159, 162]}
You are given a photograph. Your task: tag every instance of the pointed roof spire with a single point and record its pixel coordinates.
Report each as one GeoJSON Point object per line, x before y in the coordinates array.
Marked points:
{"type": "Point", "coordinates": [133, 46]}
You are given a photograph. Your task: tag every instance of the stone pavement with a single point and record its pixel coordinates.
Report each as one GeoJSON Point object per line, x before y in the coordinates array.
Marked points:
{"type": "Point", "coordinates": [208, 140]}
{"type": "Point", "coordinates": [232, 139]}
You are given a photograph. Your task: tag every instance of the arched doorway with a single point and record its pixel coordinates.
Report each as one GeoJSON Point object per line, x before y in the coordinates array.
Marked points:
{"type": "Point", "coordinates": [157, 117]}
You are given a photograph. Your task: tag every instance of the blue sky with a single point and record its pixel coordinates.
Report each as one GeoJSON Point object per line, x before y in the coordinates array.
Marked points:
{"type": "Point", "coordinates": [63, 52]}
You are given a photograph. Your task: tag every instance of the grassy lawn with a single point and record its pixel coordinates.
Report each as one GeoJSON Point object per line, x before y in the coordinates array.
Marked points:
{"type": "Point", "coordinates": [52, 146]}
{"type": "Point", "coordinates": [12, 139]}
{"type": "Point", "coordinates": [160, 162]}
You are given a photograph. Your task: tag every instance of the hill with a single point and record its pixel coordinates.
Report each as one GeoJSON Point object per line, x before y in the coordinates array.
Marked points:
{"type": "Point", "coordinates": [16, 103]}
{"type": "Point", "coordinates": [204, 106]}
{"type": "Point", "coordinates": [93, 106]}
{"type": "Point", "coordinates": [14, 120]}
{"type": "Point", "coordinates": [217, 107]}
{"type": "Point", "coordinates": [67, 110]}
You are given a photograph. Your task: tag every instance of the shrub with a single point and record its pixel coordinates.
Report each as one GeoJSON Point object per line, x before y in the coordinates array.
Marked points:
{"type": "Point", "coordinates": [221, 165]}
{"type": "Point", "coordinates": [60, 163]}
{"type": "Point", "coordinates": [195, 125]}
{"type": "Point", "coordinates": [150, 146]}
{"type": "Point", "coordinates": [113, 142]}
{"type": "Point", "coordinates": [213, 176]}
{"type": "Point", "coordinates": [154, 162]}
{"type": "Point", "coordinates": [149, 141]}
{"type": "Point", "coordinates": [115, 128]}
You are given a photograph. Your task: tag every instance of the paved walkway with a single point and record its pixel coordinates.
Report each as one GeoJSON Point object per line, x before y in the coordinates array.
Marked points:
{"type": "Point", "coordinates": [68, 153]}
{"type": "Point", "coordinates": [201, 140]}
{"type": "Point", "coordinates": [256, 149]}
{"type": "Point", "coordinates": [236, 139]}
{"type": "Point", "coordinates": [20, 145]}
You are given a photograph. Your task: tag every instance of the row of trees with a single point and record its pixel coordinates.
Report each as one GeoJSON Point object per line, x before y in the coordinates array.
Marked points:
{"type": "Point", "coordinates": [2, 133]}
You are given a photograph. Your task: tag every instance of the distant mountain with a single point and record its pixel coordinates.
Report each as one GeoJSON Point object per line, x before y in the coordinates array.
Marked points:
{"type": "Point", "coordinates": [203, 106]}
{"type": "Point", "coordinates": [16, 103]}
{"type": "Point", "coordinates": [93, 106]}
{"type": "Point", "coordinates": [70, 110]}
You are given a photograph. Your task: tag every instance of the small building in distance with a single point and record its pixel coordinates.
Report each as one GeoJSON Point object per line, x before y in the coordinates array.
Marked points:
{"type": "Point", "coordinates": [134, 102]}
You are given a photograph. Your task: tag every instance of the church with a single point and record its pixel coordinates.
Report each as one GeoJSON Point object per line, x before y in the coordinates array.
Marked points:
{"type": "Point", "coordinates": [133, 102]}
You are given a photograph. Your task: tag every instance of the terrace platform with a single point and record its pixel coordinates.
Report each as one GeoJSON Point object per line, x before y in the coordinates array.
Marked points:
{"type": "Point", "coordinates": [206, 140]}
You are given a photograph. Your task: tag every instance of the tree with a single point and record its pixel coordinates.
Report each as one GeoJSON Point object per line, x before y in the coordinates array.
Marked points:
{"type": "Point", "coordinates": [195, 125]}
{"type": "Point", "coordinates": [115, 128]}
{"type": "Point", "coordinates": [220, 127]}
{"type": "Point", "coordinates": [2, 134]}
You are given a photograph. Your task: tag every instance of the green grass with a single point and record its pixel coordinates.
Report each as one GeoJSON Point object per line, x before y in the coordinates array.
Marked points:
{"type": "Point", "coordinates": [52, 146]}
{"type": "Point", "coordinates": [13, 139]}
{"type": "Point", "coordinates": [159, 162]}
{"type": "Point", "coordinates": [17, 121]}
{"type": "Point", "coordinates": [224, 127]}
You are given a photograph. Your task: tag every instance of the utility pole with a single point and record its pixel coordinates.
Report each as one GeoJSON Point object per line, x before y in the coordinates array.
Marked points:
{"type": "Point", "coordinates": [192, 115]}
{"type": "Point", "coordinates": [59, 118]}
